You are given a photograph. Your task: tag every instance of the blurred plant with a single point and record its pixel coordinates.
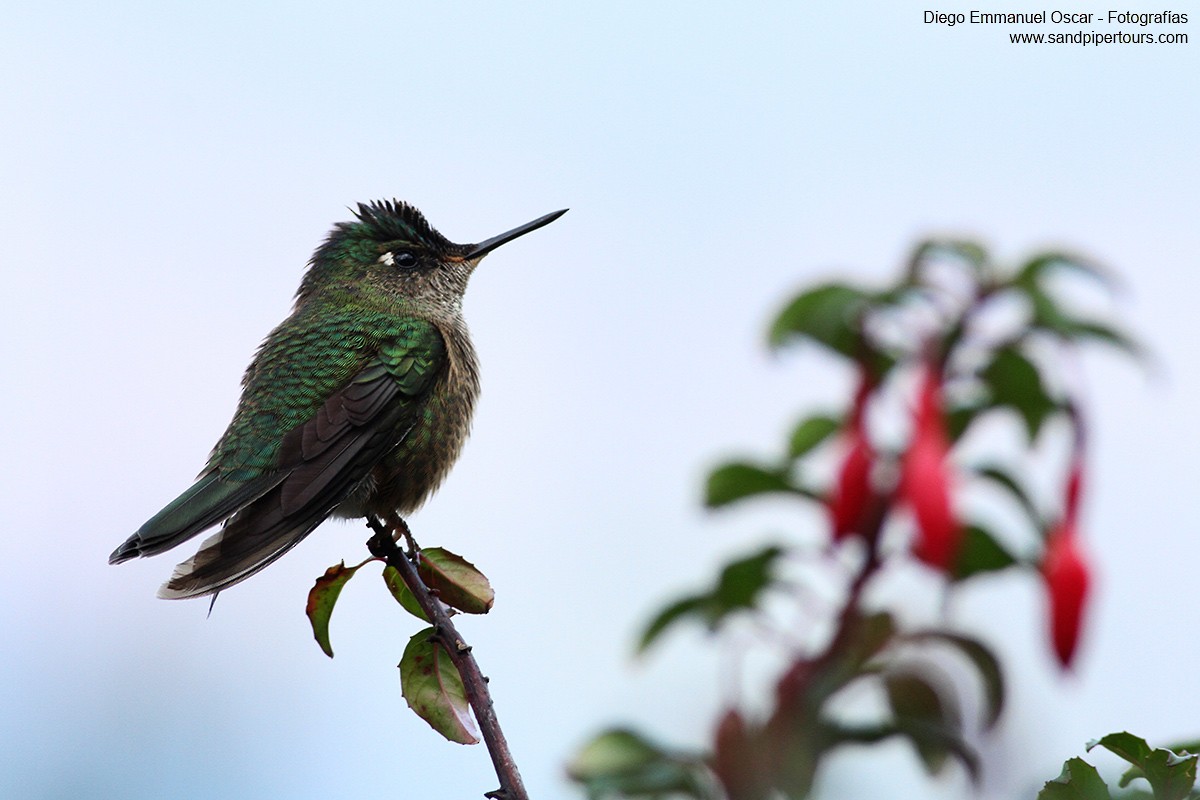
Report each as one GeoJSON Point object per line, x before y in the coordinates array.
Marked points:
{"type": "Point", "coordinates": [954, 343]}
{"type": "Point", "coordinates": [1170, 773]}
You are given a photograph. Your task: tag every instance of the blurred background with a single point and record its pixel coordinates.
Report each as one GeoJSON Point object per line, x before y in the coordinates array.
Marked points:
{"type": "Point", "coordinates": [169, 168]}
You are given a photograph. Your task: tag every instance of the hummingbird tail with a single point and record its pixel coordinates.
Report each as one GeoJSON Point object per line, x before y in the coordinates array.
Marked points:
{"type": "Point", "coordinates": [249, 542]}
{"type": "Point", "coordinates": [209, 501]}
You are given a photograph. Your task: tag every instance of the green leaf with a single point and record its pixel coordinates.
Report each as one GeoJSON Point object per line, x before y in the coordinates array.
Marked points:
{"type": "Point", "coordinates": [739, 480]}
{"type": "Point", "coordinates": [929, 718]}
{"type": "Point", "coordinates": [695, 605]}
{"type": "Point", "coordinates": [982, 658]}
{"type": "Point", "coordinates": [433, 688]}
{"type": "Point", "coordinates": [811, 432]}
{"type": "Point", "coordinates": [1015, 382]}
{"type": "Point", "coordinates": [1009, 482]}
{"type": "Point", "coordinates": [1032, 272]}
{"type": "Point", "coordinates": [828, 315]}
{"type": "Point", "coordinates": [623, 763]}
{"type": "Point", "coordinates": [1048, 315]}
{"type": "Point", "coordinates": [321, 600]}
{"type": "Point", "coordinates": [970, 253]}
{"type": "Point", "coordinates": [1133, 749]}
{"type": "Point", "coordinates": [959, 418]}
{"type": "Point", "coordinates": [456, 581]}
{"type": "Point", "coordinates": [403, 594]}
{"type": "Point", "coordinates": [742, 581]}
{"type": "Point", "coordinates": [1079, 781]}
{"type": "Point", "coordinates": [738, 587]}
{"type": "Point", "coordinates": [1171, 776]}
{"type": "Point", "coordinates": [980, 553]}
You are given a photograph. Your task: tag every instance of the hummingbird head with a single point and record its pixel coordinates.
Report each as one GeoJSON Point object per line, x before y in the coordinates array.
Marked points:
{"type": "Point", "coordinates": [391, 253]}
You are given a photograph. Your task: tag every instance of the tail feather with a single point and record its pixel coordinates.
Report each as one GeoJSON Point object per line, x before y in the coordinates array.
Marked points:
{"type": "Point", "coordinates": [209, 501]}
{"type": "Point", "coordinates": [249, 542]}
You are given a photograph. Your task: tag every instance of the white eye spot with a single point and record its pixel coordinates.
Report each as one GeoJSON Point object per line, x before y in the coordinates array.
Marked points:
{"type": "Point", "coordinates": [388, 258]}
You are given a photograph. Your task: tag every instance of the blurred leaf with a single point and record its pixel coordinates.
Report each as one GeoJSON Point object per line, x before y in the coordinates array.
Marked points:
{"type": "Point", "coordinates": [403, 594]}
{"type": "Point", "coordinates": [1170, 775]}
{"type": "Point", "coordinates": [828, 315]}
{"type": "Point", "coordinates": [1015, 382]}
{"type": "Point", "coordinates": [982, 658]}
{"type": "Point", "coordinates": [970, 253]}
{"type": "Point", "coordinates": [742, 581]}
{"type": "Point", "coordinates": [1078, 781]}
{"type": "Point", "coordinates": [433, 688]}
{"type": "Point", "coordinates": [870, 634]}
{"type": "Point", "coordinates": [321, 600]}
{"type": "Point", "coordinates": [980, 553]}
{"type": "Point", "coordinates": [456, 581]}
{"type": "Point", "coordinates": [811, 432]}
{"type": "Point", "coordinates": [680, 609]}
{"type": "Point", "coordinates": [738, 480]}
{"type": "Point", "coordinates": [959, 418]}
{"type": "Point", "coordinates": [739, 759]}
{"type": "Point", "coordinates": [622, 763]}
{"type": "Point", "coordinates": [1032, 272]}
{"type": "Point", "coordinates": [1049, 316]}
{"type": "Point", "coordinates": [929, 718]}
{"type": "Point", "coordinates": [738, 587]}
{"type": "Point", "coordinates": [1006, 480]}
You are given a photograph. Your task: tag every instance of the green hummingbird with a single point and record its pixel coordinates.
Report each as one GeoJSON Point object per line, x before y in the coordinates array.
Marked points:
{"type": "Point", "coordinates": [356, 405]}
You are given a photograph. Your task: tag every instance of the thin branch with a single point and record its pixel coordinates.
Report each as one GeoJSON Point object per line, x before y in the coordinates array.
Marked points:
{"type": "Point", "coordinates": [383, 545]}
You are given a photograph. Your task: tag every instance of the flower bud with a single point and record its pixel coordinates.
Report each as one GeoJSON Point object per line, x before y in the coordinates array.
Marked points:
{"type": "Point", "coordinates": [926, 477]}
{"type": "Point", "coordinates": [1067, 581]}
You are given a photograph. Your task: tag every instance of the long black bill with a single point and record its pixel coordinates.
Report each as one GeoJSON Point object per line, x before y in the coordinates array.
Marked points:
{"type": "Point", "coordinates": [488, 245]}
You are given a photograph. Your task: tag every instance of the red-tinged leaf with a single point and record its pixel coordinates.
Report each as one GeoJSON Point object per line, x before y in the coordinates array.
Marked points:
{"type": "Point", "coordinates": [738, 758]}
{"type": "Point", "coordinates": [926, 712]}
{"type": "Point", "coordinates": [403, 595]}
{"type": "Point", "coordinates": [984, 661]}
{"type": "Point", "coordinates": [433, 688]}
{"type": "Point", "coordinates": [1067, 582]}
{"type": "Point", "coordinates": [457, 582]}
{"type": "Point", "coordinates": [321, 600]}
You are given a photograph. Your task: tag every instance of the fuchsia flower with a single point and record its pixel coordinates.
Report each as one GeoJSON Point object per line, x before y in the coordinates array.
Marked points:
{"type": "Point", "coordinates": [925, 479]}
{"type": "Point", "coordinates": [1066, 573]}
{"type": "Point", "coordinates": [852, 491]}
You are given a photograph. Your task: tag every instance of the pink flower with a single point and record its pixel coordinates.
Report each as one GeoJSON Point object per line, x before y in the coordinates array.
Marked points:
{"type": "Point", "coordinates": [925, 480]}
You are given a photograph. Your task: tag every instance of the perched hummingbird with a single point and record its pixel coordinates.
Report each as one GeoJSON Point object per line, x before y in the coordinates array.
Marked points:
{"type": "Point", "coordinates": [358, 404]}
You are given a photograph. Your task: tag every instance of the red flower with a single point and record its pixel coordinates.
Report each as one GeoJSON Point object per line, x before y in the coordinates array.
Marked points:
{"type": "Point", "coordinates": [1067, 580]}
{"type": "Point", "coordinates": [925, 480]}
{"type": "Point", "coordinates": [1066, 572]}
{"type": "Point", "coordinates": [852, 492]}
{"type": "Point", "coordinates": [853, 489]}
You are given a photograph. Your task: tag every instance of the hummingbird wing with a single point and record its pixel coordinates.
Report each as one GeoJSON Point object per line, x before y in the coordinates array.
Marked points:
{"type": "Point", "coordinates": [313, 469]}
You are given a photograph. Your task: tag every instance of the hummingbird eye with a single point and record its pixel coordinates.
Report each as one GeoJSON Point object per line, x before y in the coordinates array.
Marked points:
{"type": "Point", "coordinates": [406, 259]}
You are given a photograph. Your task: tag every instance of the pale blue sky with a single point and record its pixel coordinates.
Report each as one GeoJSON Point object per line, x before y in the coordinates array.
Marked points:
{"type": "Point", "coordinates": [168, 169]}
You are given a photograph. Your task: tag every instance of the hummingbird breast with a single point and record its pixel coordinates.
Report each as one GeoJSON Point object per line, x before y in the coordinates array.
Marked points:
{"type": "Point", "coordinates": [409, 473]}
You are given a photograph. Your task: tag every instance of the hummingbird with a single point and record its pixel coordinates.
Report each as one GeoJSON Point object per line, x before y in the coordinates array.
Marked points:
{"type": "Point", "coordinates": [357, 405]}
